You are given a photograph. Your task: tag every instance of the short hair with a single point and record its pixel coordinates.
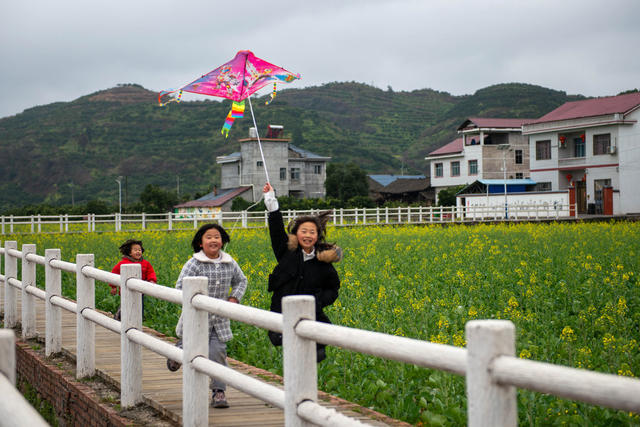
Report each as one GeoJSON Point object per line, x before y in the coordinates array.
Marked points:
{"type": "Point", "coordinates": [196, 243]}
{"type": "Point", "coordinates": [125, 248]}
{"type": "Point", "coordinates": [319, 220]}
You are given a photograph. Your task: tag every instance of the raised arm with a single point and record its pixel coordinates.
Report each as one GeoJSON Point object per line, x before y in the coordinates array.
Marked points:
{"type": "Point", "coordinates": [277, 233]}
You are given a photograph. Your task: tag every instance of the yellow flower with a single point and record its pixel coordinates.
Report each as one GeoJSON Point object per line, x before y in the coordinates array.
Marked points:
{"type": "Point", "coordinates": [525, 354]}
{"type": "Point", "coordinates": [567, 334]}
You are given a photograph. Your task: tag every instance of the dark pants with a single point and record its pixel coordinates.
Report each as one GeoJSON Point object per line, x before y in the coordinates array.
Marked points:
{"type": "Point", "coordinates": [117, 315]}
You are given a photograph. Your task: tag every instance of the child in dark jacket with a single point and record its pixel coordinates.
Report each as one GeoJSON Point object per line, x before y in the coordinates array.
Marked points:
{"type": "Point", "coordinates": [304, 263]}
{"type": "Point", "coordinates": [132, 251]}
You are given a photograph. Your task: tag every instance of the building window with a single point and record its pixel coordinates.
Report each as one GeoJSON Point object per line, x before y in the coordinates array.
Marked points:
{"type": "Point", "coordinates": [259, 163]}
{"type": "Point", "coordinates": [519, 175]}
{"type": "Point", "coordinates": [238, 168]}
{"type": "Point", "coordinates": [543, 186]}
{"type": "Point", "coordinates": [455, 168]}
{"type": "Point", "coordinates": [473, 167]}
{"type": "Point", "coordinates": [439, 171]}
{"type": "Point", "coordinates": [579, 147]}
{"type": "Point", "coordinates": [317, 169]}
{"type": "Point", "coordinates": [543, 150]}
{"type": "Point", "coordinates": [518, 157]}
{"type": "Point", "coordinates": [295, 174]}
{"type": "Point", "coordinates": [283, 174]}
{"type": "Point", "coordinates": [601, 144]}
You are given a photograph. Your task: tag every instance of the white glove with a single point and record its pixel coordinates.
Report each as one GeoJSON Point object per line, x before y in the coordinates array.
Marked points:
{"type": "Point", "coordinates": [270, 201]}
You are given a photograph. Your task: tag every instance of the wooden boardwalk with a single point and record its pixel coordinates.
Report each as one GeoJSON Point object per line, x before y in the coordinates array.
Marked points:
{"type": "Point", "coordinates": [162, 389]}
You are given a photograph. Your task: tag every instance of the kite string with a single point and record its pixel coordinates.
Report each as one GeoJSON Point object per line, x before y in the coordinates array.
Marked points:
{"type": "Point", "coordinates": [258, 136]}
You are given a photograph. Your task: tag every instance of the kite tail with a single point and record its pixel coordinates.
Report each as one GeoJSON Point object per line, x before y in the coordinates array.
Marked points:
{"type": "Point", "coordinates": [236, 112]}
{"type": "Point", "coordinates": [170, 97]}
{"type": "Point", "coordinates": [273, 95]}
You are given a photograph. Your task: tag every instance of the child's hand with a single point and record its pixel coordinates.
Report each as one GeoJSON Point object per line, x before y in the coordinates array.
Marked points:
{"type": "Point", "coordinates": [233, 300]}
{"type": "Point", "coordinates": [113, 289]}
{"type": "Point", "coordinates": [267, 187]}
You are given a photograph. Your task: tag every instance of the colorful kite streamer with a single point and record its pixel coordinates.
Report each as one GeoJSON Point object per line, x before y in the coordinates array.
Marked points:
{"type": "Point", "coordinates": [170, 96]}
{"type": "Point", "coordinates": [236, 112]}
{"type": "Point", "coordinates": [273, 95]}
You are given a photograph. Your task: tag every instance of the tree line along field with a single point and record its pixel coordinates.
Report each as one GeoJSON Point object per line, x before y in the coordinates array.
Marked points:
{"type": "Point", "coordinates": [571, 289]}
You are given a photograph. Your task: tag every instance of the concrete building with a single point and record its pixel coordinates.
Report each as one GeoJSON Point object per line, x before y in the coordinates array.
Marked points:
{"type": "Point", "coordinates": [593, 146]}
{"type": "Point", "coordinates": [477, 153]}
{"type": "Point", "coordinates": [292, 170]}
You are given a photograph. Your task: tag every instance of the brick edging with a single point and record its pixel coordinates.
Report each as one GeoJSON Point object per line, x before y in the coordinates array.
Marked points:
{"type": "Point", "coordinates": [71, 400]}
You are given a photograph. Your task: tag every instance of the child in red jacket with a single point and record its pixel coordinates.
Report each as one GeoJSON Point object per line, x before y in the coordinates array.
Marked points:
{"type": "Point", "coordinates": [132, 251]}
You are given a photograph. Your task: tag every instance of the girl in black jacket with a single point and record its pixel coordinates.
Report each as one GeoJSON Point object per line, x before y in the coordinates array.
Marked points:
{"type": "Point", "coordinates": [304, 263]}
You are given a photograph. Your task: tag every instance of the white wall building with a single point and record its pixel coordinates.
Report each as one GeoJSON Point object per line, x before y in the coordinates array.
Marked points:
{"type": "Point", "coordinates": [476, 154]}
{"type": "Point", "coordinates": [590, 145]}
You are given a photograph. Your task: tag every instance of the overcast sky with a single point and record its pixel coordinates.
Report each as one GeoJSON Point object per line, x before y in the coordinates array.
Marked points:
{"type": "Point", "coordinates": [60, 50]}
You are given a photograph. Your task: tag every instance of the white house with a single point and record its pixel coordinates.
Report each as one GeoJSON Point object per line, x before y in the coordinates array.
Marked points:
{"type": "Point", "coordinates": [478, 153]}
{"type": "Point", "coordinates": [593, 146]}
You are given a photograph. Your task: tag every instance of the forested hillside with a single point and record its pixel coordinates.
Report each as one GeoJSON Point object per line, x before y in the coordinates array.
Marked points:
{"type": "Point", "coordinates": [47, 152]}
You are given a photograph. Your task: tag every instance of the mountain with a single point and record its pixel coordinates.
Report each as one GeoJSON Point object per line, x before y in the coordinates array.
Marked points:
{"type": "Point", "coordinates": [49, 152]}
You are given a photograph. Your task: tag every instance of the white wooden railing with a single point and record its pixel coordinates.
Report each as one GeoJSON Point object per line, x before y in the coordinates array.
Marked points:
{"type": "Point", "coordinates": [15, 410]}
{"type": "Point", "coordinates": [246, 219]}
{"type": "Point", "coordinates": [492, 371]}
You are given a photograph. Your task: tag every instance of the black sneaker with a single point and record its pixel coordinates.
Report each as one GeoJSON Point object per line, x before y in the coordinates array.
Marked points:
{"type": "Point", "coordinates": [172, 365]}
{"type": "Point", "coordinates": [219, 399]}
{"type": "Point", "coordinates": [321, 354]}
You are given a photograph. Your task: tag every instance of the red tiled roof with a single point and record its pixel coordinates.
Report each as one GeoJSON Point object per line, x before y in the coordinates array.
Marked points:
{"type": "Point", "coordinates": [454, 146]}
{"type": "Point", "coordinates": [484, 122]}
{"type": "Point", "coordinates": [592, 107]}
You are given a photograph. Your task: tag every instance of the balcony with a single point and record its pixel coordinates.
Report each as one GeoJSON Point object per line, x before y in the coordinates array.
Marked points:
{"type": "Point", "coordinates": [572, 161]}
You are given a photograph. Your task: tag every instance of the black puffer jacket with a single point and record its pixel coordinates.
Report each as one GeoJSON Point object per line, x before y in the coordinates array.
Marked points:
{"type": "Point", "coordinates": [294, 276]}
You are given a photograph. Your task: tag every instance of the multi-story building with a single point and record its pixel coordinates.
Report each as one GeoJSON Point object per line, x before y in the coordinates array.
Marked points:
{"type": "Point", "coordinates": [485, 146]}
{"type": "Point", "coordinates": [592, 146]}
{"type": "Point", "coordinates": [292, 170]}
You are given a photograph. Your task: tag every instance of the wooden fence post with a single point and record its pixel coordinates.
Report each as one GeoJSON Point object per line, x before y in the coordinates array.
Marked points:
{"type": "Point", "coordinates": [299, 358]}
{"type": "Point", "coordinates": [488, 403]}
{"type": "Point", "coordinates": [53, 314]}
{"type": "Point", "coordinates": [85, 329]}
{"type": "Point", "coordinates": [10, 272]}
{"type": "Point", "coordinates": [8, 354]}
{"type": "Point", "coordinates": [130, 352]}
{"type": "Point", "coordinates": [170, 219]}
{"type": "Point", "coordinates": [195, 343]}
{"type": "Point", "coordinates": [28, 300]}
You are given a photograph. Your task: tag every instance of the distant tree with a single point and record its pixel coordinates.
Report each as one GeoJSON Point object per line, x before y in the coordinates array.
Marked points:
{"type": "Point", "coordinates": [156, 200]}
{"type": "Point", "coordinates": [240, 204]}
{"type": "Point", "coordinates": [628, 91]}
{"type": "Point", "coordinates": [447, 197]}
{"type": "Point", "coordinates": [98, 207]}
{"type": "Point", "coordinates": [361, 202]}
{"type": "Point", "coordinates": [346, 180]}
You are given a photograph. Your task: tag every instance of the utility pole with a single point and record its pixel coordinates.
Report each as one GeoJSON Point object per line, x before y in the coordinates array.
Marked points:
{"type": "Point", "coordinates": [505, 148]}
{"type": "Point", "coordinates": [119, 181]}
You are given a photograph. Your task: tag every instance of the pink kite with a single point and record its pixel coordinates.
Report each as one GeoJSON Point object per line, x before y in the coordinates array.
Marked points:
{"type": "Point", "coordinates": [235, 80]}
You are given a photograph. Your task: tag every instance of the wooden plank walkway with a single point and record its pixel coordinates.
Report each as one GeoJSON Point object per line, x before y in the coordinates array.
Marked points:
{"type": "Point", "coordinates": [162, 389]}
